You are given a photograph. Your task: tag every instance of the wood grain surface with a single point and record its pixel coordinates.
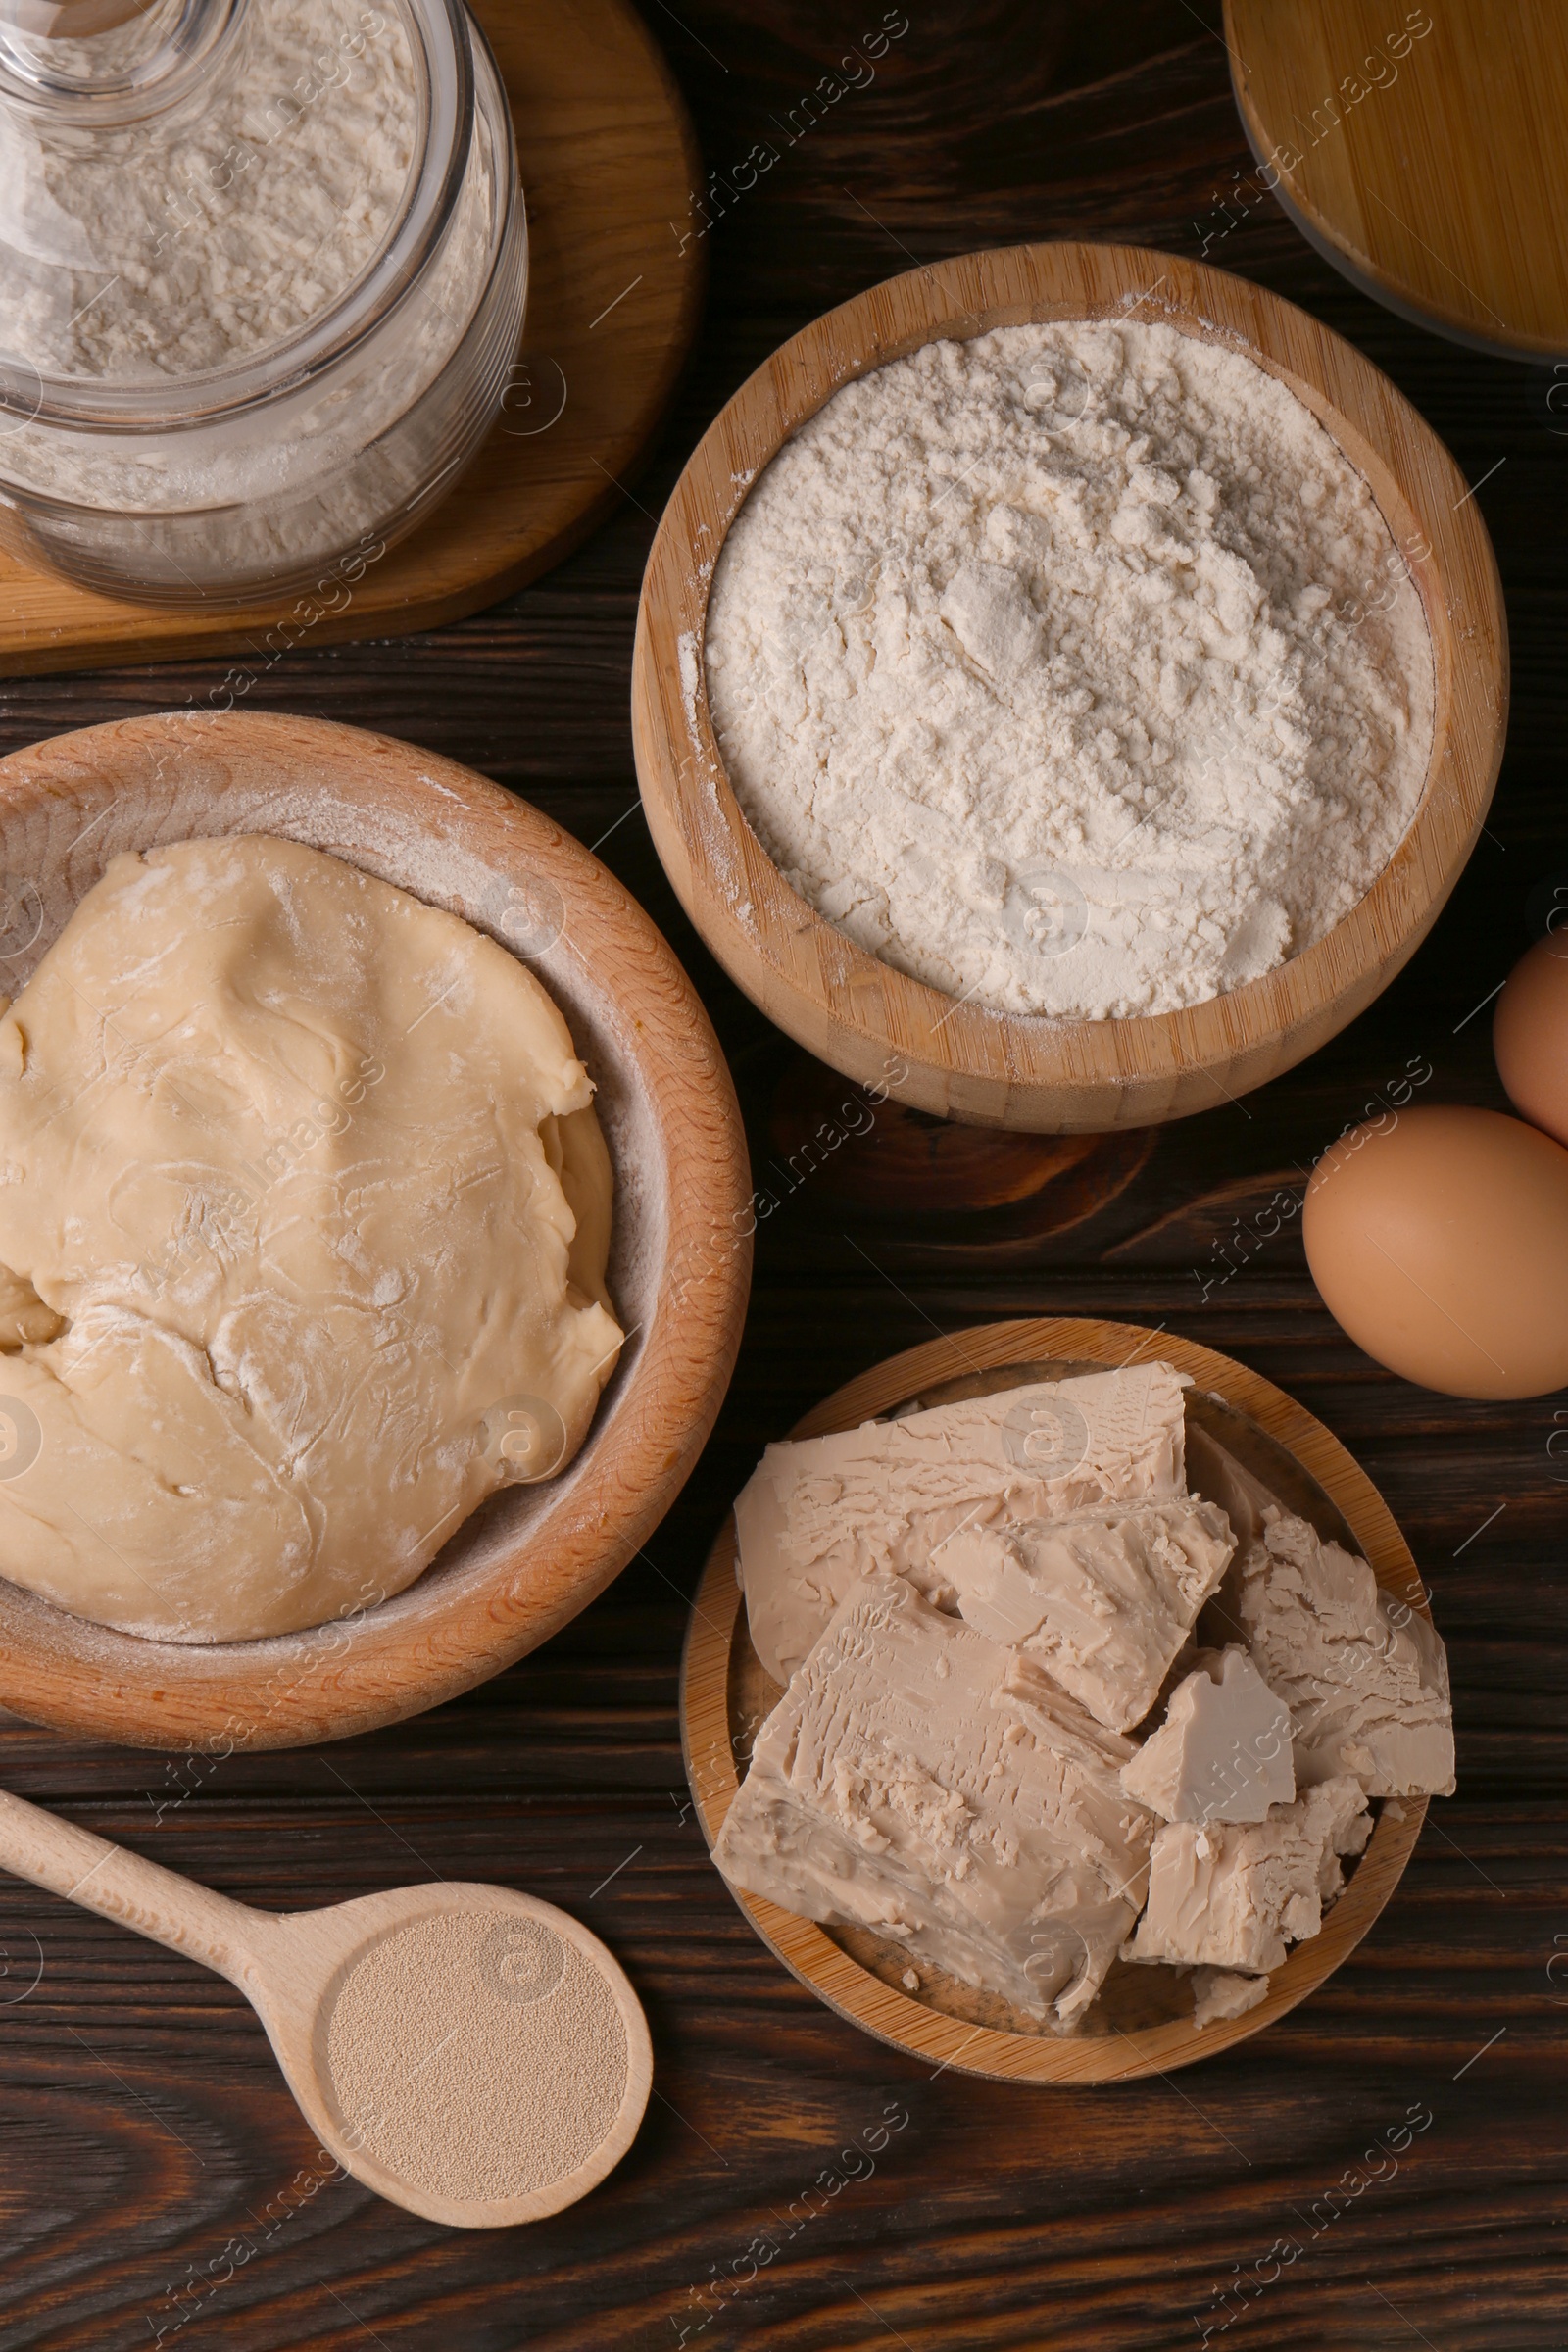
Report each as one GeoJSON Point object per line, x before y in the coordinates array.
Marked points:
{"type": "Point", "coordinates": [157, 2177]}
{"type": "Point", "coordinates": [1424, 150]}
{"type": "Point", "coordinates": [966, 1060]}
{"type": "Point", "coordinates": [605, 157]}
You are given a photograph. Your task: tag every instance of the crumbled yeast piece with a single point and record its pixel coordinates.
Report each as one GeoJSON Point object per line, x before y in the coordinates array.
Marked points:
{"type": "Point", "coordinates": [1234, 1895]}
{"type": "Point", "coordinates": [1223, 1752]}
{"type": "Point", "coordinates": [1367, 1694]}
{"type": "Point", "coordinates": [988, 1832]}
{"type": "Point", "coordinates": [1219, 1996]}
{"type": "Point", "coordinates": [960, 1782]}
{"type": "Point", "coordinates": [819, 1513]}
{"type": "Point", "coordinates": [1103, 1600]}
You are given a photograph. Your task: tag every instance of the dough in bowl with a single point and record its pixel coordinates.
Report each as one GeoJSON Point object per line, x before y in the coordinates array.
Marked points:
{"type": "Point", "coordinates": [303, 1215]}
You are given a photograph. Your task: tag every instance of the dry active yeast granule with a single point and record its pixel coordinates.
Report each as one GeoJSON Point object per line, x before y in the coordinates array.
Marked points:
{"type": "Point", "coordinates": [1073, 670]}
{"type": "Point", "coordinates": [477, 2055]}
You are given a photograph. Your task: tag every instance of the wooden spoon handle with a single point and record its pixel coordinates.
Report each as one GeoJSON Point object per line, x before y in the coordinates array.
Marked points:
{"type": "Point", "coordinates": [205, 1927]}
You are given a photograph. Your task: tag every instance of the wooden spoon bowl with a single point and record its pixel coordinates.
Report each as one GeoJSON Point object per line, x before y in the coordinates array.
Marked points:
{"type": "Point", "coordinates": [959, 1058]}
{"type": "Point", "coordinates": [534, 1555]}
{"type": "Point", "coordinates": [1142, 2023]}
{"type": "Point", "coordinates": [293, 1967]}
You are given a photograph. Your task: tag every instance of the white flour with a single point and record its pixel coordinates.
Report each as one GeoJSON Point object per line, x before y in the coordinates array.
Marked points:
{"type": "Point", "coordinates": [168, 249]}
{"type": "Point", "coordinates": [192, 243]}
{"type": "Point", "coordinates": [1073, 670]}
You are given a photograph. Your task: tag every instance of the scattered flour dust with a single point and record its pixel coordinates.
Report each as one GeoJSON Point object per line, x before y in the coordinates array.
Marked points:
{"type": "Point", "coordinates": [1073, 670]}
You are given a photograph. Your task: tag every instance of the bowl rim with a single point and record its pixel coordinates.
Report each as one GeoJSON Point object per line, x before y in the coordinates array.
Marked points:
{"type": "Point", "coordinates": [809, 1953]}
{"type": "Point", "coordinates": [956, 1057]}
{"type": "Point", "coordinates": [443, 1634]}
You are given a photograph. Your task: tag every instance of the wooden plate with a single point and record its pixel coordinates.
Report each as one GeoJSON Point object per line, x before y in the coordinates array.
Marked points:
{"type": "Point", "coordinates": [533, 1555]}
{"type": "Point", "coordinates": [1422, 151]}
{"type": "Point", "coordinates": [608, 162]}
{"type": "Point", "coordinates": [1142, 2023]}
{"type": "Point", "coordinates": [959, 1059]}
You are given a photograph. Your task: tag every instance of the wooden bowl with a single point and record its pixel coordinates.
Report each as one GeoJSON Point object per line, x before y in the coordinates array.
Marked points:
{"type": "Point", "coordinates": [1142, 2024]}
{"type": "Point", "coordinates": [533, 1555]}
{"type": "Point", "coordinates": [960, 1060]}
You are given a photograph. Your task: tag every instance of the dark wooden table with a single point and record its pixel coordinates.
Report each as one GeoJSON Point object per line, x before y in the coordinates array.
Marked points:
{"type": "Point", "coordinates": [157, 2183]}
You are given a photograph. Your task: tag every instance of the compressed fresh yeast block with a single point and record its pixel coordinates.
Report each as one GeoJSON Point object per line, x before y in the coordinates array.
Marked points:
{"type": "Point", "coordinates": [1219, 1996]}
{"type": "Point", "coordinates": [1234, 1895]}
{"type": "Point", "coordinates": [898, 1786]}
{"type": "Point", "coordinates": [1366, 1694]}
{"type": "Point", "coordinates": [818, 1513]}
{"type": "Point", "coordinates": [1102, 1598]}
{"type": "Point", "coordinates": [1223, 1752]}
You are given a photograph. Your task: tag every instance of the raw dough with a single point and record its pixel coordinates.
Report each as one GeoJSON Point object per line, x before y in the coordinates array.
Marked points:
{"type": "Point", "coordinates": [304, 1214]}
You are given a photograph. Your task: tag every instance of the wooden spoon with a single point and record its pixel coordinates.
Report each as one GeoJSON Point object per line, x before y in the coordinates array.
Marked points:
{"type": "Point", "coordinates": [292, 1966]}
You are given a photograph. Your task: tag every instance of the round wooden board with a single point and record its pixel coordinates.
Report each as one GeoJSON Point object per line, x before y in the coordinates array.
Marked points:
{"type": "Point", "coordinates": [1423, 151]}
{"type": "Point", "coordinates": [533, 1555]}
{"type": "Point", "coordinates": [719, 1676]}
{"type": "Point", "coordinates": [607, 162]}
{"type": "Point", "coordinates": [959, 1058]}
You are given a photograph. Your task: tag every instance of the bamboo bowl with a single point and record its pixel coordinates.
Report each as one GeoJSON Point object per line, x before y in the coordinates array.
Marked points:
{"type": "Point", "coordinates": [533, 1555]}
{"type": "Point", "coordinates": [957, 1060]}
{"type": "Point", "coordinates": [1142, 2023]}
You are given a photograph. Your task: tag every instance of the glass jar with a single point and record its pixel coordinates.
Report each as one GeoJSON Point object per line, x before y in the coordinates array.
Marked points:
{"type": "Point", "coordinates": [262, 267]}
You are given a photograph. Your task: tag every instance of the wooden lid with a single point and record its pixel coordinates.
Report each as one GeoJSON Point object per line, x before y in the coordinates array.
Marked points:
{"type": "Point", "coordinates": [1424, 151]}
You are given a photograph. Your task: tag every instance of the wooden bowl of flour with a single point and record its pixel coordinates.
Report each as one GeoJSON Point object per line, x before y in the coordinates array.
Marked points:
{"type": "Point", "coordinates": [958, 1059]}
{"type": "Point", "coordinates": [533, 1555]}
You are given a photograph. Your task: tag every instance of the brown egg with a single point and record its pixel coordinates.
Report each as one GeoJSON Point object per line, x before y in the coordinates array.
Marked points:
{"type": "Point", "coordinates": [1439, 1239]}
{"type": "Point", "coordinates": [1529, 1035]}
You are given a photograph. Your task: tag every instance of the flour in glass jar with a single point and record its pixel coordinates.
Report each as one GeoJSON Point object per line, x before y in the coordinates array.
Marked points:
{"type": "Point", "coordinates": [168, 248]}
{"type": "Point", "coordinates": [1073, 670]}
